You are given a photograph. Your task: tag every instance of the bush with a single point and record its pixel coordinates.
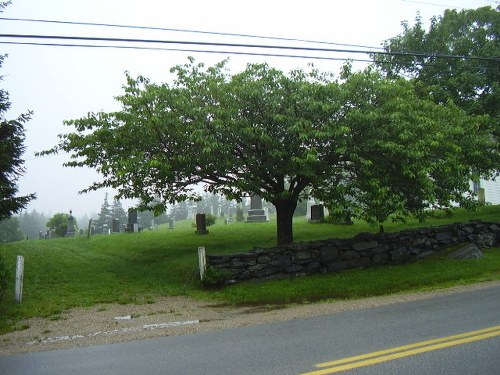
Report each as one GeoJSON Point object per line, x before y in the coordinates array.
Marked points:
{"type": "Point", "coordinates": [210, 219]}
{"type": "Point", "coordinates": [4, 276]}
{"type": "Point", "coordinates": [215, 278]}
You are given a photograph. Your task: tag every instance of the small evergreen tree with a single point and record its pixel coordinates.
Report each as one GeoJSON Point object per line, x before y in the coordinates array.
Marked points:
{"type": "Point", "coordinates": [117, 212]}
{"type": "Point", "coordinates": [105, 216]}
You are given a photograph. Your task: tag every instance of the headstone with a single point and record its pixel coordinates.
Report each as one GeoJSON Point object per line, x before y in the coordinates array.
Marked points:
{"type": "Point", "coordinates": [70, 227]}
{"type": "Point", "coordinates": [201, 224]}
{"type": "Point", "coordinates": [256, 214]}
{"type": "Point", "coordinates": [116, 226]}
{"type": "Point", "coordinates": [132, 225]}
{"type": "Point", "coordinates": [317, 213]}
{"type": "Point", "coordinates": [170, 223]}
{"type": "Point", "coordinates": [40, 235]}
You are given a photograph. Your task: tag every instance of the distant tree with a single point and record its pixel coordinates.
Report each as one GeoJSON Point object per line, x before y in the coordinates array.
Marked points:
{"type": "Point", "coordinates": [471, 82]}
{"type": "Point", "coordinates": [9, 230]}
{"type": "Point", "coordinates": [11, 150]}
{"type": "Point", "coordinates": [180, 211]}
{"type": "Point", "coordinates": [31, 223]}
{"type": "Point", "coordinates": [59, 223]}
{"type": "Point", "coordinates": [105, 217]}
{"type": "Point", "coordinates": [117, 212]}
{"type": "Point", "coordinates": [280, 136]}
{"type": "Point", "coordinates": [239, 213]}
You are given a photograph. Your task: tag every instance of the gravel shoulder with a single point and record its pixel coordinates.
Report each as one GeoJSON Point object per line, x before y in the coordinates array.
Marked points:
{"type": "Point", "coordinates": [113, 323]}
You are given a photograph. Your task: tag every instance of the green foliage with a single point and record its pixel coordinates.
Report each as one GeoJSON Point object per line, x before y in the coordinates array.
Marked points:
{"type": "Point", "coordinates": [214, 278]}
{"type": "Point", "coordinates": [11, 151]}
{"type": "Point", "coordinates": [9, 230]}
{"type": "Point", "coordinates": [473, 82]}
{"type": "Point", "coordinates": [362, 140]}
{"type": "Point", "coordinates": [4, 277]}
{"type": "Point", "coordinates": [59, 223]}
{"type": "Point", "coordinates": [210, 219]}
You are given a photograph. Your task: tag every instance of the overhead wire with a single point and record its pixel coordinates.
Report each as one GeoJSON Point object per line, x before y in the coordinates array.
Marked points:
{"type": "Point", "coordinates": [251, 46]}
{"type": "Point", "coordinates": [186, 31]}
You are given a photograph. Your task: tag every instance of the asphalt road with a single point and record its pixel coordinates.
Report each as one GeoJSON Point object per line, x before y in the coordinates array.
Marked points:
{"type": "Point", "coordinates": [296, 347]}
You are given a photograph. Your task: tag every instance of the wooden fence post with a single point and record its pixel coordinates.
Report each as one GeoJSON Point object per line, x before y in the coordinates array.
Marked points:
{"type": "Point", "coordinates": [19, 279]}
{"type": "Point", "coordinates": [202, 261]}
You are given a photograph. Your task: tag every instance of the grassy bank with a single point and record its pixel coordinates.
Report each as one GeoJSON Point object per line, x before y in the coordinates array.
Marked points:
{"type": "Point", "coordinates": [137, 268]}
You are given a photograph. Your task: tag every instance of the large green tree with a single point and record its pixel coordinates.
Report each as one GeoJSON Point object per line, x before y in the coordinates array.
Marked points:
{"type": "Point", "coordinates": [473, 81]}
{"type": "Point", "coordinates": [279, 136]}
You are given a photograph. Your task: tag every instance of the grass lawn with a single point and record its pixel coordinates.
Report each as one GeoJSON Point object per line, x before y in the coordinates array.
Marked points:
{"type": "Point", "coordinates": [137, 268]}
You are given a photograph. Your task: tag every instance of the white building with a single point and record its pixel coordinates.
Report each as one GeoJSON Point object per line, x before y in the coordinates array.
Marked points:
{"type": "Point", "coordinates": [491, 190]}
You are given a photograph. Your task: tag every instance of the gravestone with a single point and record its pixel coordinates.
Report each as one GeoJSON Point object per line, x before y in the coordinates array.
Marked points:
{"type": "Point", "coordinates": [70, 227]}
{"type": "Point", "coordinates": [132, 225]}
{"type": "Point", "coordinates": [170, 223]}
{"type": "Point", "coordinates": [256, 214]}
{"type": "Point", "coordinates": [116, 226]}
{"type": "Point", "coordinates": [317, 213]}
{"type": "Point", "coordinates": [201, 224]}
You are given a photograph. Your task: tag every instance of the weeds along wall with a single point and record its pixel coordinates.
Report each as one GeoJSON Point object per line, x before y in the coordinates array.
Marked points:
{"type": "Point", "coordinates": [364, 250]}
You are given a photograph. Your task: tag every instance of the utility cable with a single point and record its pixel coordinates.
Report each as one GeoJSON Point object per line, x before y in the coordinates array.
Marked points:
{"type": "Point", "coordinates": [244, 45]}
{"type": "Point", "coordinates": [185, 31]}
{"type": "Point", "coordinates": [188, 50]}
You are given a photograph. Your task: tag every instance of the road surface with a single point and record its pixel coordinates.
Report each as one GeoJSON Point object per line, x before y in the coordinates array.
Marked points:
{"type": "Point", "coordinates": [451, 334]}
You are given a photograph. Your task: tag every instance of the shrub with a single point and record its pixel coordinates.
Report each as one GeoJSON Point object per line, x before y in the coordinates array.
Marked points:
{"type": "Point", "coordinates": [210, 219]}
{"type": "Point", "coordinates": [215, 278]}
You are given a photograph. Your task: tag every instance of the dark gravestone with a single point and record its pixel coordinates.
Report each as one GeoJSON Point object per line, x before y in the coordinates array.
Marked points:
{"type": "Point", "coordinates": [317, 213]}
{"type": "Point", "coordinates": [201, 224]}
{"type": "Point", "coordinates": [70, 228]}
{"type": "Point", "coordinates": [256, 214]}
{"type": "Point", "coordinates": [116, 226]}
{"type": "Point", "coordinates": [132, 221]}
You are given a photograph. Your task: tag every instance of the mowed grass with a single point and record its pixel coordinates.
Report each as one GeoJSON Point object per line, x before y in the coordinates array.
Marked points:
{"type": "Point", "coordinates": [137, 268]}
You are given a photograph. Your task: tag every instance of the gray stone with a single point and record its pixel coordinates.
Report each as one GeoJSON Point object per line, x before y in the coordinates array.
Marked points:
{"type": "Point", "coordinates": [466, 251]}
{"type": "Point", "coordinates": [328, 254]}
{"type": "Point", "coordinates": [486, 239]}
{"type": "Point", "coordinates": [444, 236]}
{"type": "Point", "coordinates": [303, 255]}
{"type": "Point", "coordinates": [294, 268]}
{"type": "Point", "coordinates": [281, 261]}
{"type": "Point", "coordinates": [361, 246]}
{"type": "Point", "coordinates": [348, 255]}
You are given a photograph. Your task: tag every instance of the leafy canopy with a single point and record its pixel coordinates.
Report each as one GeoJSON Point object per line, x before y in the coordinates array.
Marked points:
{"type": "Point", "coordinates": [362, 141]}
{"type": "Point", "coordinates": [471, 82]}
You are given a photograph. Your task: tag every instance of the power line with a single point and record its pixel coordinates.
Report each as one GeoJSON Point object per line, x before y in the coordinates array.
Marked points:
{"type": "Point", "coordinates": [186, 50]}
{"type": "Point", "coordinates": [186, 31]}
{"type": "Point", "coordinates": [245, 45]}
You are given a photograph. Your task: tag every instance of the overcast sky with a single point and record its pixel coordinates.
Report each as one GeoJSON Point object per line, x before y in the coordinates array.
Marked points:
{"type": "Point", "coordinates": [62, 83]}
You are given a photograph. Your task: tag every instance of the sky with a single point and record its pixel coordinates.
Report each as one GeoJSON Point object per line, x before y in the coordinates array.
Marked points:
{"type": "Point", "coordinates": [63, 83]}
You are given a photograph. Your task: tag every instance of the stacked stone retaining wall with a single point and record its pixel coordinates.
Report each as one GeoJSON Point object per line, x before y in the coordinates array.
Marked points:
{"type": "Point", "coordinates": [364, 250]}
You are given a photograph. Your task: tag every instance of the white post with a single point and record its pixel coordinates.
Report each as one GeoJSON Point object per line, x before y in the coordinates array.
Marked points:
{"type": "Point", "coordinates": [19, 278]}
{"type": "Point", "coordinates": [202, 261]}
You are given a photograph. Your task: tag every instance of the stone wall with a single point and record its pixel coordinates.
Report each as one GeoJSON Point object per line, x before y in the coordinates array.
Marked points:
{"type": "Point", "coordinates": [364, 250]}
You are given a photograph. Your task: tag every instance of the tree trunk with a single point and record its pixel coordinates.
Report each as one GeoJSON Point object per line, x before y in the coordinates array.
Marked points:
{"type": "Point", "coordinates": [284, 213]}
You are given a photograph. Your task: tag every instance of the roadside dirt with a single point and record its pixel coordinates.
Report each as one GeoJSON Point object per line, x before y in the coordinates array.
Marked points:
{"type": "Point", "coordinates": [112, 323]}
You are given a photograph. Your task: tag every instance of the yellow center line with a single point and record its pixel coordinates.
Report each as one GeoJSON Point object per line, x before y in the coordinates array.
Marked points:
{"type": "Point", "coordinates": [404, 351]}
